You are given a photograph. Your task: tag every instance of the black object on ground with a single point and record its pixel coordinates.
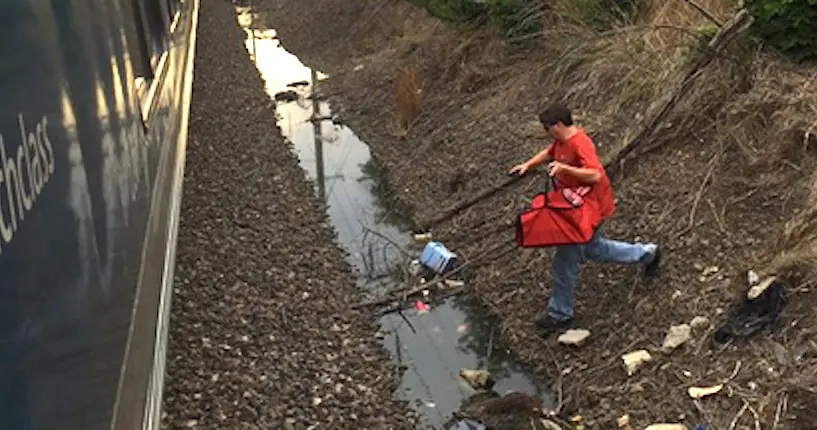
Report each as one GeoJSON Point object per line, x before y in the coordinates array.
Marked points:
{"type": "Point", "coordinates": [751, 316]}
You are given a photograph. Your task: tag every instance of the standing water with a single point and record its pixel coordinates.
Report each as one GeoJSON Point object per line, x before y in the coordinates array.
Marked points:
{"type": "Point", "coordinates": [432, 347]}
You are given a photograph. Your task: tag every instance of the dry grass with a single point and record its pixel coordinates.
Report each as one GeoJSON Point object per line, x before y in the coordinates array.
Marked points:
{"type": "Point", "coordinates": [408, 96]}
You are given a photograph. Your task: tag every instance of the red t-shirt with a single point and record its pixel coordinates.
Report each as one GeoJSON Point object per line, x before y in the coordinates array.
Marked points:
{"type": "Point", "coordinates": [579, 151]}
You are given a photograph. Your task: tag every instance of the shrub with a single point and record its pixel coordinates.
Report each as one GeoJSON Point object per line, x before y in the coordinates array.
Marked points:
{"type": "Point", "coordinates": [789, 25]}
{"type": "Point", "coordinates": [606, 14]}
{"type": "Point", "coordinates": [515, 17]}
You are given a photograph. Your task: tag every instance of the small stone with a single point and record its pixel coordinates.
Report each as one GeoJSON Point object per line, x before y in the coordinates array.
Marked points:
{"type": "Point", "coordinates": [634, 360]}
{"type": "Point", "coordinates": [575, 337]}
{"type": "Point", "coordinates": [191, 423]}
{"type": "Point", "coordinates": [677, 295]}
{"type": "Point", "coordinates": [316, 401]}
{"type": "Point", "coordinates": [699, 322]}
{"type": "Point", "coordinates": [677, 336]}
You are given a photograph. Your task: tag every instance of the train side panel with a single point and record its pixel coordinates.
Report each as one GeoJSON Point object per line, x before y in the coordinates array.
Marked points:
{"type": "Point", "coordinates": [94, 96]}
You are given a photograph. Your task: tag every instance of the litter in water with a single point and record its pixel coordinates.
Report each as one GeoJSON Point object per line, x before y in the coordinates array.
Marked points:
{"type": "Point", "coordinates": [437, 257]}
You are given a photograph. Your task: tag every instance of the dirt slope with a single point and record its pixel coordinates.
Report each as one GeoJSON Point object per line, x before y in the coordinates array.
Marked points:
{"type": "Point", "coordinates": [729, 185]}
{"type": "Point", "coordinates": [261, 333]}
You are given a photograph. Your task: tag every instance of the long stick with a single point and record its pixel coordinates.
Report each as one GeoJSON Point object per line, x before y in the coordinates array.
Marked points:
{"type": "Point", "coordinates": [408, 290]}
{"type": "Point", "coordinates": [722, 39]}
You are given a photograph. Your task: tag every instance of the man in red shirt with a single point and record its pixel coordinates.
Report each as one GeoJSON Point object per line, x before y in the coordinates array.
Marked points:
{"type": "Point", "coordinates": [572, 160]}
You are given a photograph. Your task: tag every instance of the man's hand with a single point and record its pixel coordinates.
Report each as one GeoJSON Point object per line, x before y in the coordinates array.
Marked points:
{"type": "Point", "coordinates": [555, 167]}
{"type": "Point", "coordinates": [519, 169]}
{"type": "Point", "coordinates": [585, 175]}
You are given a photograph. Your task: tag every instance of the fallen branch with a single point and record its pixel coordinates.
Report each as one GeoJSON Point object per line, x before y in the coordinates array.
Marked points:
{"type": "Point", "coordinates": [408, 290]}
{"type": "Point", "coordinates": [709, 15]}
{"type": "Point", "coordinates": [456, 209]}
{"type": "Point", "coordinates": [738, 24]}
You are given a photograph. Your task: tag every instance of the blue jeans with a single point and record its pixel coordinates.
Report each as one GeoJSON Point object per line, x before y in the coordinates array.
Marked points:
{"type": "Point", "coordinates": [566, 260]}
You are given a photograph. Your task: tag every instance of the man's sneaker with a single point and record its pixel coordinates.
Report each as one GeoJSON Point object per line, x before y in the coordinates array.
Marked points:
{"type": "Point", "coordinates": [548, 325]}
{"type": "Point", "coordinates": [654, 262]}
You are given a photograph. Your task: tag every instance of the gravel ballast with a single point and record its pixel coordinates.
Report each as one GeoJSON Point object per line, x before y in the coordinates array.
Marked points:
{"type": "Point", "coordinates": [262, 334]}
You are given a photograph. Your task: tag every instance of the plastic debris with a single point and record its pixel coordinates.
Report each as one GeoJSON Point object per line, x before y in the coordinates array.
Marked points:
{"type": "Point", "coordinates": [454, 283]}
{"type": "Point", "coordinates": [701, 392]}
{"type": "Point", "coordinates": [759, 309]}
{"type": "Point", "coordinates": [422, 238]}
{"type": "Point", "coordinates": [758, 289]}
{"type": "Point", "coordinates": [421, 307]}
{"type": "Point", "coordinates": [578, 422]}
{"type": "Point", "coordinates": [665, 426]}
{"type": "Point", "coordinates": [634, 360]}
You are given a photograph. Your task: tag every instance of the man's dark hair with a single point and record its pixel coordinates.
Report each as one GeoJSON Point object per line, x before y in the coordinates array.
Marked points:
{"type": "Point", "coordinates": [556, 113]}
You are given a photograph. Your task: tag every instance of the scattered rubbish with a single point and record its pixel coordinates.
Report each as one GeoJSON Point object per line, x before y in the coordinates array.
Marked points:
{"type": "Point", "coordinates": [754, 312]}
{"type": "Point", "coordinates": [422, 238]}
{"type": "Point", "coordinates": [574, 337]}
{"type": "Point", "coordinates": [437, 257]}
{"type": "Point", "coordinates": [462, 328]}
{"type": "Point", "coordinates": [701, 427]}
{"type": "Point", "coordinates": [421, 307]}
{"type": "Point", "coordinates": [624, 422]}
{"type": "Point", "coordinates": [578, 422]}
{"type": "Point", "coordinates": [426, 293]}
{"type": "Point", "coordinates": [677, 336]}
{"type": "Point", "coordinates": [677, 295]}
{"type": "Point", "coordinates": [711, 270]}
{"type": "Point", "coordinates": [752, 277]}
{"type": "Point", "coordinates": [758, 289]}
{"type": "Point", "coordinates": [415, 268]}
{"type": "Point", "coordinates": [454, 283]}
{"type": "Point", "coordinates": [701, 392]}
{"type": "Point", "coordinates": [699, 322]}
{"type": "Point", "coordinates": [431, 404]}
{"type": "Point", "coordinates": [664, 426]}
{"type": "Point", "coordinates": [358, 68]}
{"type": "Point", "coordinates": [634, 360]}
{"type": "Point", "coordinates": [478, 379]}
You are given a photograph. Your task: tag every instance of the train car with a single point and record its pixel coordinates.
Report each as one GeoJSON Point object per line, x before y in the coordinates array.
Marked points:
{"type": "Point", "coordinates": [94, 106]}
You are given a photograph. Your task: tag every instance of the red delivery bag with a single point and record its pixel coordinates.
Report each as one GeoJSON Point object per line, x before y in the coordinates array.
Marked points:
{"type": "Point", "coordinates": [558, 217]}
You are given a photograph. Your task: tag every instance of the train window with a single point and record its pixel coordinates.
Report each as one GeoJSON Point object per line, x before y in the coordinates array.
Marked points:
{"type": "Point", "coordinates": [152, 24]}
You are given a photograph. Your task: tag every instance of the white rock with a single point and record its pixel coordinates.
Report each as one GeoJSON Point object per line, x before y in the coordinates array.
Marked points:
{"type": "Point", "coordinates": [752, 277]}
{"type": "Point", "coordinates": [677, 336]}
{"type": "Point", "coordinates": [699, 322]}
{"type": "Point", "coordinates": [634, 360]}
{"type": "Point", "coordinates": [575, 337]}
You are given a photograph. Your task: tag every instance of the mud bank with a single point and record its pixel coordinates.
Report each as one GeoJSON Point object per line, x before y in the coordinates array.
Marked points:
{"type": "Point", "coordinates": [262, 335]}
{"type": "Point", "coordinates": [722, 193]}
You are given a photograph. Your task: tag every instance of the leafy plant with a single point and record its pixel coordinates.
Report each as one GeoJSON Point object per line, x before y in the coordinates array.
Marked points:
{"type": "Point", "coordinates": [789, 25]}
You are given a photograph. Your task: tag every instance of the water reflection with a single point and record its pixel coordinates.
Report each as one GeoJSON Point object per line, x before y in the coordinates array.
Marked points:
{"type": "Point", "coordinates": [432, 347]}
